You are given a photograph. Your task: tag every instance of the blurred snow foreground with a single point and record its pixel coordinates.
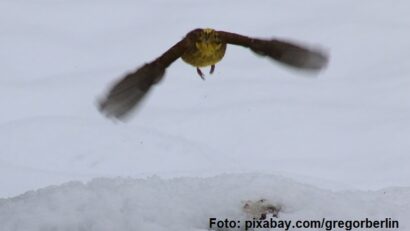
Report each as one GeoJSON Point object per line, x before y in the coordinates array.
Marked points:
{"type": "Point", "coordinates": [188, 203]}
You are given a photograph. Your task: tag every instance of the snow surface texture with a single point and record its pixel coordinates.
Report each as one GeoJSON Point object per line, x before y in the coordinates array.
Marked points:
{"type": "Point", "coordinates": [346, 129]}
{"type": "Point", "coordinates": [187, 203]}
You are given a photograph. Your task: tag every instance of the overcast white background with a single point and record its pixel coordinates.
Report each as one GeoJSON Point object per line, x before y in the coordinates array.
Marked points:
{"type": "Point", "coordinates": [347, 128]}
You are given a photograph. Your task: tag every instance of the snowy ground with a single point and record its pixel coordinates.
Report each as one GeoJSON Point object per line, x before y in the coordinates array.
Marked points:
{"type": "Point", "coordinates": [188, 203]}
{"type": "Point", "coordinates": [346, 129]}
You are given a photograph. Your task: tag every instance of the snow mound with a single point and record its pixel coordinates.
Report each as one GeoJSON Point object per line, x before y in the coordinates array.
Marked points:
{"type": "Point", "coordinates": [158, 204]}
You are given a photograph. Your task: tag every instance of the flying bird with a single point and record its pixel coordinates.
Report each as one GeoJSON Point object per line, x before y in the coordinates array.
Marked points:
{"type": "Point", "coordinates": [202, 48]}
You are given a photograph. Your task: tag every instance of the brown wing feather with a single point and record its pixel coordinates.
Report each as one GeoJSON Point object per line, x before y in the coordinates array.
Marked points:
{"type": "Point", "coordinates": [282, 51]}
{"type": "Point", "coordinates": [131, 89]}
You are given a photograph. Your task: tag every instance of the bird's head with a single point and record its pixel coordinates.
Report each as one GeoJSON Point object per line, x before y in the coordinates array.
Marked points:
{"type": "Point", "coordinates": [208, 35]}
{"type": "Point", "coordinates": [208, 41]}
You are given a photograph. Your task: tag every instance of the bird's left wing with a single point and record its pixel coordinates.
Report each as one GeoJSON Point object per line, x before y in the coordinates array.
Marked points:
{"type": "Point", "coordinates": [131, 89]}
{"type": "Point", "coordinates": [285, 52]}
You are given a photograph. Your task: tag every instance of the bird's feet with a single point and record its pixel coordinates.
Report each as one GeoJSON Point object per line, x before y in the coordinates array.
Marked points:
{"type": "Point", "coordinates": [212, 69]}
{"type": "Point", "coordinates": [200, 73]}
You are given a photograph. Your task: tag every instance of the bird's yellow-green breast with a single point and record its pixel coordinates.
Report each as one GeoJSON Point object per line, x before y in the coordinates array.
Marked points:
{"type": "Point", "coordinates": [207, 49]}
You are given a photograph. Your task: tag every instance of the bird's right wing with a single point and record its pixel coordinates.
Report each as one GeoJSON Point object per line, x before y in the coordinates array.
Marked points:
{"type": "Point", "coordinates": [131, 89]}
{"type": "Point", "coordinates": [284, 52]}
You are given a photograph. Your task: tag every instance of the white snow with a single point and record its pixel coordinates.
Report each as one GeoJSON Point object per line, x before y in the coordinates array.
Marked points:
{"type": "Point", "coordinates": [189, 203]}
{"type": "Point", "coordinates": [346, 129]}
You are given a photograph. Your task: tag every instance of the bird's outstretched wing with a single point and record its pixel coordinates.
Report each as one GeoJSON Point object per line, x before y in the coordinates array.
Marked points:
{"type": "Point", "coordinates": [131, 89]}
{"type": "Point", "coordinates": [282, 51]}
